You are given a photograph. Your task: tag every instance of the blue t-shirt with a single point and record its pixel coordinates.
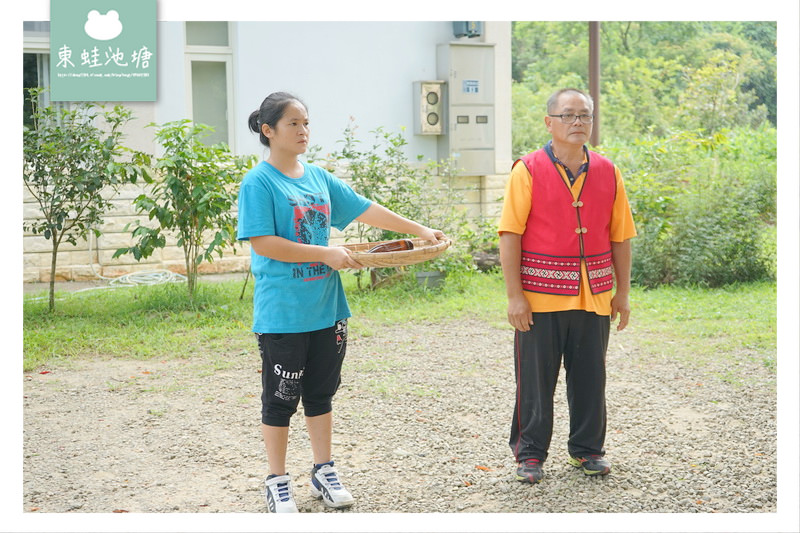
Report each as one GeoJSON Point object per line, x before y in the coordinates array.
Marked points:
{"type": "Point", "coordinates": [295, 297]}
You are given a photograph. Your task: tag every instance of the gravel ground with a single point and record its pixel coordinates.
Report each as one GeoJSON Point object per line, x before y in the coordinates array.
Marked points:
{"type": "Point", "coordinates": [428, 405]}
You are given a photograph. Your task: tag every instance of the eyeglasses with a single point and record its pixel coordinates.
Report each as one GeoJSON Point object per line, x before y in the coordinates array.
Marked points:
{"type": "Point", "coordinates": [569, 118]}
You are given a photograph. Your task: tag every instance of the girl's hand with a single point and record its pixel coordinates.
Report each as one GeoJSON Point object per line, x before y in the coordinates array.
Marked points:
{"type": "Point", "coordinates": [338, 258]}
{"type": "Point", "coordinates": [433, 235]}
{"type": "Point", "coordinates": [378, 216]}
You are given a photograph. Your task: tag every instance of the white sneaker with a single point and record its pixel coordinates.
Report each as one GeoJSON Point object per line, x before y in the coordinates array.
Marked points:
{"type": "Point", "coordinates": [325, 484]}
{"type": "Point", "coordinates": [279, 495]}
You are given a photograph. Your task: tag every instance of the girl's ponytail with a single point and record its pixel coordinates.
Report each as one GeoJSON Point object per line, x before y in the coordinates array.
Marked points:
{"type": "Point", "coordinates": [255, 127]}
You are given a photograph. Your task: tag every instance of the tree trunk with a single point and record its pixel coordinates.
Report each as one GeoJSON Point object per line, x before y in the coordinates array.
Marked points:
{"type": "Point", "coordinates": [191, 281]}
{"type": "Point", "coordinates": [190, 277]}
{"type": "Point", "coordinates": [53, 260]}
{"type": "Point", "coordinates": [191, 252]}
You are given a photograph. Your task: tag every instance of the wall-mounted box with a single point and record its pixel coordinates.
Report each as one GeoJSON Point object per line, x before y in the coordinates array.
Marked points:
{"type": "Point", "coordinates": [429, 108]}
{"type": "Point", "coordinates": [468, 69]}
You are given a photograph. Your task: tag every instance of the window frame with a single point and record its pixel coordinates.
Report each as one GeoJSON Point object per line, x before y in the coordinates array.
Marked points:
{"type": "Point", "coordinates": [37, 42]}
{"type": "Point", "coordinates": [206, 53]}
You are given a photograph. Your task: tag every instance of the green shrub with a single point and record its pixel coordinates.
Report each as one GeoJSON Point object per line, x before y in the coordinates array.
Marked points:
{"type": "Point", "coordinates": [717, 240]}
{"type": "Point", "coordinates": [703, 206]}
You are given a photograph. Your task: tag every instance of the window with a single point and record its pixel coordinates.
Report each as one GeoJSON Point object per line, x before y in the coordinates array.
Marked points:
{"type": "Point", "coordinates": [210, 78]}
{"type": "Point", "coordinates": [32, 66]}
{"type": "Point", "coordinates": [35, 65]}
{"type": "Point", "coordinates": [210, 98]}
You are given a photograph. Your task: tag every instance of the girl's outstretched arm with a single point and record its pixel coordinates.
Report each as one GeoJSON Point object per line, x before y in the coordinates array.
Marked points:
{"type": "Point", "coordinates": [378, 216]}
{"type": "Point", "coordinates": [280, 249]}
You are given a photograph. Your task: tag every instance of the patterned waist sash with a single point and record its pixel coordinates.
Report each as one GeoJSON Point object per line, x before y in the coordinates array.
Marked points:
{"type": "Point", "coordinates": [562, 275]}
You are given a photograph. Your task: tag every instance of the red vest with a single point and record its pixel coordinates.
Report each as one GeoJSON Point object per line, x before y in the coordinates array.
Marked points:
{"type": "Point", "coordinates": [561, 232]}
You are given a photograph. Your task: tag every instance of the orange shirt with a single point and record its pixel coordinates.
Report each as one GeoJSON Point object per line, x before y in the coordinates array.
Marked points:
{"type": "Point", "coordinates": [516, 208]}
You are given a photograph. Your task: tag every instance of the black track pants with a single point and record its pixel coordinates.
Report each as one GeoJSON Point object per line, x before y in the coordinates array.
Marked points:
{"type": "Point", "coordinates": [582, 339]}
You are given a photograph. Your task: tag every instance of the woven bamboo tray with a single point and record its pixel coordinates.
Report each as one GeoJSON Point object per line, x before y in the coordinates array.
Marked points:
{"type": "Point", "coordinates": [423, 250]}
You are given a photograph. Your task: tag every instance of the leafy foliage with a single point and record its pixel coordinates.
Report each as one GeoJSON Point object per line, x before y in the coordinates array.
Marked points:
{"type": "Point", "coordinates": [657, 77]}
{"type": "Point", "coordinates": [687, 111]}
{"type": "Point", "coordinates": [701, 206]}
{"type": "Point", "coordinates": [193, 197]}
{"type": "Point", "coordinates": [72, 162]}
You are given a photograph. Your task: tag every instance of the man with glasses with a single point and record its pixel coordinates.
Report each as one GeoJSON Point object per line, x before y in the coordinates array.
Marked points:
{"type": "Point", "coordinates": [565, 235]}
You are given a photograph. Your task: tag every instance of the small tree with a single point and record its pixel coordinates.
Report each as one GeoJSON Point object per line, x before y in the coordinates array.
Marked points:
{"type": "Point", "coordinates": [69, 162]}
{"type": "Point", "coordinates": [193, 196]}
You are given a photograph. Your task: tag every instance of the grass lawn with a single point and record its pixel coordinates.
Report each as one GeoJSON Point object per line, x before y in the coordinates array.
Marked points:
{"type": "Point", "coordinates": [694, 325]}
{"type": "Point", "coordinates": [691, 325]}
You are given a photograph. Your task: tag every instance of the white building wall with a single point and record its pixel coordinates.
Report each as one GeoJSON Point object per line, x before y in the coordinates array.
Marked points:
{"type": "Point", "coordinates": [171, 103]}
{"type": "Point", "coordinates": [363, 70]}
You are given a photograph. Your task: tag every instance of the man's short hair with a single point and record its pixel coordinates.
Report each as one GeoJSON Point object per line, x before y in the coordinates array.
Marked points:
{"type": "Point", "coordinates": [553, 100]}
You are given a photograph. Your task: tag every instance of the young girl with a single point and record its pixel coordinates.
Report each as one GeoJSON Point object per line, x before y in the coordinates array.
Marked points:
{"type": "Point", "coordinates": [286, 209]}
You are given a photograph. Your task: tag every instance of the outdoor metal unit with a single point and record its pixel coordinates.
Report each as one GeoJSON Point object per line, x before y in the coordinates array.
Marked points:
{"type": "Point", "coordinates": [468, 69]}
{"type": "Point", "coordinates": [467, 29]}
{"type": "Point", "coordinates": [429, 108]}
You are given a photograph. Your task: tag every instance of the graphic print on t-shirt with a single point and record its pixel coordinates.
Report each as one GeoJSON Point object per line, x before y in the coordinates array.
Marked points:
{"type": "Point", "coordinates": [311, 222]}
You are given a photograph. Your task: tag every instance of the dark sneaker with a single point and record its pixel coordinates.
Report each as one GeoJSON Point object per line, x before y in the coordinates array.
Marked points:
{"type": "Point", "coordinates": [592, 465]}
{"type": "Point", "coordinates": [530, 471]}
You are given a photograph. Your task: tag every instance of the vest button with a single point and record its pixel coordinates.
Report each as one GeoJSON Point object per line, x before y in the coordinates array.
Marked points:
{"type": "Point", "coordinates": [577, 204]}
{"type": "Point", "coordinates": [577, 230]}
{"type": "Point", "coordinates": [584, 230]}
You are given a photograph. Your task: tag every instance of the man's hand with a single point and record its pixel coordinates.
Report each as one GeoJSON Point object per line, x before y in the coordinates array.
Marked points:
{"type": "Point", "coordinates": [621, 258]}
{"type": "Point", "coordinates": [519, 310]}
{"type": "Point", "coordinates": [620, 303]}
{"type": "Point", "coordinates": [519, 313]}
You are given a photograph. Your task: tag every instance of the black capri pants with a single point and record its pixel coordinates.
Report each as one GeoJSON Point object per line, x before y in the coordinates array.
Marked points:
{"type": "Point", "coordinates": [297, 366]}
